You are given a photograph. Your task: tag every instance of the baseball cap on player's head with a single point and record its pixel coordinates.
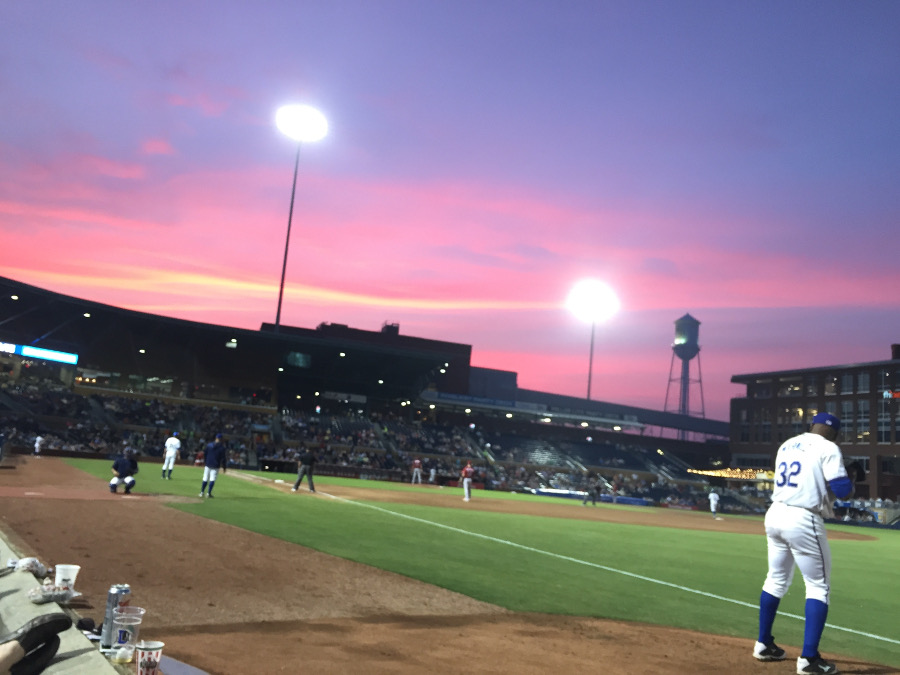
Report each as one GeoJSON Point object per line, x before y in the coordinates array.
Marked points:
{"type": "Point", "coordinates": [218, 435]}
{"type": "Point", "coordinates": [827, 419]}
{"type": "Point", "coordinates": [174, 433]}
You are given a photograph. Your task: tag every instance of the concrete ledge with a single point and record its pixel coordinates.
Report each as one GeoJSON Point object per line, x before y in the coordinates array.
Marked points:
{"type": "Point", "coordinates": [77, 655]}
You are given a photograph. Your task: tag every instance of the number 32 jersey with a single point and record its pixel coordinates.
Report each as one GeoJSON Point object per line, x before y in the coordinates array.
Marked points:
{"type": "Point", "coordinates": [803, 466]}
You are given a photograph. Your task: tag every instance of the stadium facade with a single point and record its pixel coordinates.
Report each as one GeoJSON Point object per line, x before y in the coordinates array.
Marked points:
{"type": "Point", "coordinates": [333, 368]}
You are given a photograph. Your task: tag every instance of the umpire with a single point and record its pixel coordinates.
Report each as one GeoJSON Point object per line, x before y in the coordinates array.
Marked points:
{"type": "Point", "coordinates": [307, 462]}
{"type": "Point", "coordinates": [124, 469]}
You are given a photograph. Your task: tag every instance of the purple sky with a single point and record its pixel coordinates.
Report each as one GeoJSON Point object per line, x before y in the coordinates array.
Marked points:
{"type": "Point", "coordinates": [735, 161]}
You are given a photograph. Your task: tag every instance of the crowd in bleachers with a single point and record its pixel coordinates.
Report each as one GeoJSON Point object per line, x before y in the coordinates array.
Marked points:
{"type": "Point", "coordinates": [102, 423]}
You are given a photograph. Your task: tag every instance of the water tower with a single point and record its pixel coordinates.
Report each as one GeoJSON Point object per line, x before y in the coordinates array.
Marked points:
{"type": "Point", "coordinates": [686, 347]}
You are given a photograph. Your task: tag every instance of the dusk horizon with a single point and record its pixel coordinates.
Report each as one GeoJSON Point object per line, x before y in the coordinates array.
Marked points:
{"type": "Point", "coordinates": [736, 163]}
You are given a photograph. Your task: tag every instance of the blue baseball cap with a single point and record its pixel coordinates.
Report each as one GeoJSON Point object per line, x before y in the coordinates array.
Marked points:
{"type": "Point", "coordinates": [827, 419]}
{"type": "Point", "coordinates": [174, 433]}
{"type": "Point", "coordinates": [220, 435]}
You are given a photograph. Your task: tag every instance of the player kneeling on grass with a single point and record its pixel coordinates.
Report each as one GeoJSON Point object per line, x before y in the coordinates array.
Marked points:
{"type": "Point", "coordinates": [124, 469]}
{"type": "Point", "coordinates": [805, 467]}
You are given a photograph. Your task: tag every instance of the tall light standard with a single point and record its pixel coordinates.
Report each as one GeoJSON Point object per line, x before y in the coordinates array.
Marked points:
{"type": "Point", "coordinates": [592, 301]}
{"type": "Point", "coordinates": [304, 124]}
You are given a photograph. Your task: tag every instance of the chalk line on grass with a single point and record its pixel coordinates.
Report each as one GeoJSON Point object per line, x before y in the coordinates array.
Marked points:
{"type": "Point", "coordinates": [586, 563]}
{"type": "Point", "coordinates": [605, 568]}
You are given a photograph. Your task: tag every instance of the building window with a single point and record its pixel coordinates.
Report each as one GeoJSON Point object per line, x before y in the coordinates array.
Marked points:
{"type": "Point", "coordinates": [831, 408]}
{"type": "Point", "coordinates": [811, 384]}
{"type": "Point", "coordinates": [884, 421]}
{"type": "Point", "coordinates": [765, 427]}
{"type": "Point", "coordinates": [789, 387]}
{"type": "Point", "coordinates": [762, 390]}
{"type": "Point", "coordinates": [862, 383]}
{"type": "Point", "coordinates": [847, 421]}
{"type": "Point", "coordinates": [743, 420]}
{"type": "Point", "coordinates": [862, 421]}
{"type": "Point", "coordinates": [864, 461]}
{"type": "Point", "coordinates": [796, 421]}
{"type": "Point", "coordinates": [847, 383]}
{"type": "Point", "coordinates": [830, 385]}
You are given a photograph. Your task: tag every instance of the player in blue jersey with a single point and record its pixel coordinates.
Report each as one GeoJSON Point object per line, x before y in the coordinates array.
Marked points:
{"type": "Point", "coordinates": [124, 469]}
{"type": "Point", "coordinates": [805, 467]}
{"type": "Point", "coordinates": [216, 457]}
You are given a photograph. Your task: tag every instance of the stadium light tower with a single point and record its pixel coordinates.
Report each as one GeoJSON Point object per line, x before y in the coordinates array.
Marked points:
{"type": "Point", "coordinates": [304, 124]}
{"type": "Point", "coordinates": [592, 301]}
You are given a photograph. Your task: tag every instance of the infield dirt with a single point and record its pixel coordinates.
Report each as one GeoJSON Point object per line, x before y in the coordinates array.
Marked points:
{"type": "Point", "coordinates": [229, 601]}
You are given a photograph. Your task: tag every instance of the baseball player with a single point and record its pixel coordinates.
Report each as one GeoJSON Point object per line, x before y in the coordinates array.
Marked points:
{"type": "Point", "coordinates": [805, 467]}
{"type": "Point", "coordinates": [173, 450]}
{"type": "Point", "coordinates": [417, 471]}
{"type": "Point", "coordinates": [215, 458]}
{"type": "Point", "coordinates": [305, 467]}
{"type": "Point", "coordinates": [592, 492]}
{"type": "Point", "coordinates": [124, 469]}
{"type": "Point", "coordinates": [466, 477]}
{"type": "Point", "coordinates": [38, 442]}
{"type": "Point", "coordinates": [713, 502]}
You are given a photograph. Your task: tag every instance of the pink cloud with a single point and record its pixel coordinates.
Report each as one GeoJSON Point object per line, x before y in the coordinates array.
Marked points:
{"type": "Point", "coordinates": [202, 102]}
{"type": "Point", "coordinates": [157, 146]}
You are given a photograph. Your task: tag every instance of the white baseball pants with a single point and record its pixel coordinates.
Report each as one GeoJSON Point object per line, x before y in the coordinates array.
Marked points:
{"type": "Point", "coordinates": [797, 535]}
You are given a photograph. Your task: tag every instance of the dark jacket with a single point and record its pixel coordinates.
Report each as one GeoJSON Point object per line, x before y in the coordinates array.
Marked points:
{"type": "Point", "coordinates": [125, 466]}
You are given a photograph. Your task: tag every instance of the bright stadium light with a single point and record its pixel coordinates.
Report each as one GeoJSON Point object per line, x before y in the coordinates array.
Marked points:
{"type": "Point", "coordinates": [592, 301]}
{"type": "Point", "coordinates": [304, 124]}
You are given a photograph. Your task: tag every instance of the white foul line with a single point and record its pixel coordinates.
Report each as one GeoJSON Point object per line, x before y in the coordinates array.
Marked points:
{"type": "Point", "coordinates": [651, 580]}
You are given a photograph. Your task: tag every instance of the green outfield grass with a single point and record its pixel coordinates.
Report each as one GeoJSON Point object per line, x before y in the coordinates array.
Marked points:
{"type": "Point", "coordinates": [706, 581]}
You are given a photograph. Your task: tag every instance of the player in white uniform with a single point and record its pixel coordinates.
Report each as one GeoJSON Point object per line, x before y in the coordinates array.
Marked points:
{"type": "Point", "coordinates": [713, 502]}
{"type": "Point", "coordinates": [805, 467]}
{"type": "Point", "coordinates": [417, 471]}
{"type": "Point", "coordinates": [173, 448]}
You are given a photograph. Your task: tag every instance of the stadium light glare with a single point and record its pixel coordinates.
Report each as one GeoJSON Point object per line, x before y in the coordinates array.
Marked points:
{"type": "Point", "coordinates": [304, 124]}
{"type": "Point", "coordinates": [594, 302]}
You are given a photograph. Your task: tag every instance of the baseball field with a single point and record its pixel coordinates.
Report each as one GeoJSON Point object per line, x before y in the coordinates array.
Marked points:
{"type": "Point", "coordinates": [382, 577]}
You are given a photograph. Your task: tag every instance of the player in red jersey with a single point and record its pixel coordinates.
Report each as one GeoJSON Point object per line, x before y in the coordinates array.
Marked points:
{"type": "Point", "coordinates": [466, 477]}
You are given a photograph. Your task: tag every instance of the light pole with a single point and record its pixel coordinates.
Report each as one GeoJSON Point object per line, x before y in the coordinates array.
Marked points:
{"type": "Point", "coordinates": [304, 124]}
{"type": "Point", "coordinates": [592, 301]}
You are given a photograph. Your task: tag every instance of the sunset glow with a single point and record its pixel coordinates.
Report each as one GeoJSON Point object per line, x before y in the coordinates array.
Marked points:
{"type": "Point", "coordinates": [476, 162]}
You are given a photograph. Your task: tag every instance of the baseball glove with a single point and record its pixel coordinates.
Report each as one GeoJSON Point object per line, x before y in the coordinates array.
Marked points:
{"type": "Point", "coordinates": [855, 471]}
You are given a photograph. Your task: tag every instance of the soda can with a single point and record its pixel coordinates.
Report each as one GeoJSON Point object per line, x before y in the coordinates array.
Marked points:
{"type": "Point", "coordinates": [119, 595]}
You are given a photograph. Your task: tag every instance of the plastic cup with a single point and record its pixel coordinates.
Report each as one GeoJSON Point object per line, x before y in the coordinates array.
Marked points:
{"type": "Point", "coordinates": [126, 625]}
{"type": "Point", "coordinates": [149, 654]}
{"type": "Point", "coordinates": [65, 576]}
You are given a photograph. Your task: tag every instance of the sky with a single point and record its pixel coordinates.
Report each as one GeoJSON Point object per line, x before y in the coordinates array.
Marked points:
{"type": "Point", "coordinates": [735, 161]}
